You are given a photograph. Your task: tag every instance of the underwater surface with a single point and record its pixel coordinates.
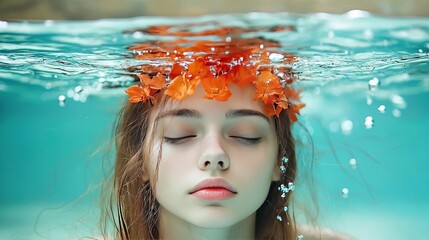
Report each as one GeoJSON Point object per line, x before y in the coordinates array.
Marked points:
{"type": "Point", "coordinates": [364, 78]}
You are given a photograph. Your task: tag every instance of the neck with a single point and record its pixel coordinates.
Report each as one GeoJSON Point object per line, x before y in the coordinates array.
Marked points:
{"type": "Point", "coordinates": [171, 227]}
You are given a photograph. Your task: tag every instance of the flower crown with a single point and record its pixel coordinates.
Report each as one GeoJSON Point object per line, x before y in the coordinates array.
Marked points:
{"type": "Point", "coordinates": [216, 65]}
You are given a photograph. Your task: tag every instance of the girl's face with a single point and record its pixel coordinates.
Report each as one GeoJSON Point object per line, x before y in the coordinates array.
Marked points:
{"type": "Point", "coordinates": [201, 139]}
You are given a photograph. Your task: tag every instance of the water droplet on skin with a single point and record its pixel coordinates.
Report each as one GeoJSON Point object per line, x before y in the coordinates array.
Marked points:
{"type": "Point", "coordinates": [347, 126]}
{"type": "Point", "coordinates": [382, 109]}
{"type": "Point", "coordinates": [345, 192]}
{"type": "Point", "coordinates": [275, 57]}
{"type": "Point", "coordinates": [62, 100]}
{"type": "Point", "coordinates": [369, 122]}
{"type": "Point", "coordinates": [398, 101]}
{"type": "Point", "coordinates": [373, 84]}
{"type": "Point", "coordinates": [353, 163]}
{"type": "Point", "coordinates": [396, 112]}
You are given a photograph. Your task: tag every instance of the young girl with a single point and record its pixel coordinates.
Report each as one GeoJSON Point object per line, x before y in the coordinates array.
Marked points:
{"type": "Point", "coordinates": [204, 148]}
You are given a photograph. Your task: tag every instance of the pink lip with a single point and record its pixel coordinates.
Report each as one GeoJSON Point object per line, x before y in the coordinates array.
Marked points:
{"type": "Point", "coordinates": [213, 189]}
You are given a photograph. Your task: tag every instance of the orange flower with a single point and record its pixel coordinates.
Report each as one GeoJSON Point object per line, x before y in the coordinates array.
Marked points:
{"type": "Point", "coordinates": [268, 87]}
{"type": "Point", "coordinates": [157, 82]}
{"type": "Point", "coordinates": [216, 88]}
{"type": "Point", "coordinates": [242, 75]}
{"type": "Point", "coordinates": [294, 110]}
{"type": "Point", "coordinates": [138, 94]}
{"type": "Point", "coordinates": [176, 70]}
{"type": "Point", "coordinates": [181, 87]}
{"type": "Point", "coordinates": [271, 110]}
{"type": "Point", "coordinates": [198, 68]}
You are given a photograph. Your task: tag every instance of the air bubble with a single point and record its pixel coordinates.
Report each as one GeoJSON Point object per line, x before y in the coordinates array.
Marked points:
{"type": "Point", "coordinates": [398, 101]}
{"type": "Point", "coordinates": [62, 100]}
{"type": "Point", "coordinates": [261, 46]}
{"type": "Point", "coordinates": [331, 34]}
{"type": "Point", "coordinates": [276, 57]}
{"type": "Point", "coordinates": [345, 192]}
{"type": "Point", "coordinates": [347, 126]}
{"type": "Point", "coordinates": [228, 39]}
{"type": "Point", "coordinates": [373, 84]}
{"type": "Point", "coordinates": [70, 93]}
{"type": "Point", "coordinates": [369, 122]}
{"type": "Point", "coordinates": [382, 109]}
{"type": "Point", "coordinates": [368, 34]}
{"type": "Point", "coordinates": [212, 49]}
{"type": "Point", "coordinates": [137, 35]}
{"type": "Point", "coordinates": [353, 163]}
{"type": "Point", "coordinates": [49, 23]}
{"type": "Point", "coordinates": [396, 112]}
{"type": "Point", "coordinates": [76, 97]}
{"type": "Point", "coordinates": [3, 24]}
{"type": "Point", "coordinates": [78, 89]}
{"type": "Point", "coordinates": [300, 237]}
{"type": "Point", "coordinates": [420, 51]}
{"type": "Point", "coordinates": [368, 100]}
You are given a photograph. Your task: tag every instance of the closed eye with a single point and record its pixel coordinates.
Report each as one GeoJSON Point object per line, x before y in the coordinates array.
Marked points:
{"type": "Point", "coordinates": [247, 140]}
{"type": "Point", "coordinates": [177, 140]}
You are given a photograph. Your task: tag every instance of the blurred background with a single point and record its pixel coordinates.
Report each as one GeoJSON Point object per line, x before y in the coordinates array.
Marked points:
{"type": "Point", "coordinates": [95, 9]}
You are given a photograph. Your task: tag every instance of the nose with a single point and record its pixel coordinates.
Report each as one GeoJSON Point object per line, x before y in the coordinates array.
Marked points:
{"type": "Point", "coordinates": [214, 156]}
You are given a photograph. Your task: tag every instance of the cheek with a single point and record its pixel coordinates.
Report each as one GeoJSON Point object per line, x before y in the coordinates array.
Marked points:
{"type": "Point", "coordinates": [256, 167]}
{"type": "Point", "coordinates": [173, 165]}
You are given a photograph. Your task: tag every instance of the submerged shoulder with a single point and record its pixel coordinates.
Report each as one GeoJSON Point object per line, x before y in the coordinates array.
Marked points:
{"type": "Point", "coordinates": [318, 233]}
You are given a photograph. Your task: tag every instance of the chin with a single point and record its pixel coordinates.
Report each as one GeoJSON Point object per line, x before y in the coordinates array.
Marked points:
{"type": "Point", "coordinates": [217, 219]}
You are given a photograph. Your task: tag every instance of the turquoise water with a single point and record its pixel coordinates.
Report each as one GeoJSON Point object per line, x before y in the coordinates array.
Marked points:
{"type": "Point", "coordinates": [365, 80]}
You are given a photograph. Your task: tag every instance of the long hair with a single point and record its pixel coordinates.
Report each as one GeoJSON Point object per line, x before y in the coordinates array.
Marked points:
{"type": "Point", "coordinates": [130, 204]}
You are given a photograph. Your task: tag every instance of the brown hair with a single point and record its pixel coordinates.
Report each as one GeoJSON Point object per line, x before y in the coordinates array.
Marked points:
{"type": "Point", "coordinates": [131, 205]}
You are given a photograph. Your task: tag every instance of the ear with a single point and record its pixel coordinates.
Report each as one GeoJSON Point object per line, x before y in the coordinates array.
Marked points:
{"type": "Point", "coordinates": [276, 173]}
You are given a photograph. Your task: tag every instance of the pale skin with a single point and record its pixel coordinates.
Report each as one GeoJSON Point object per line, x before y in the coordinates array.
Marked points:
{"type": "Point", "coordinates": [203, 139]}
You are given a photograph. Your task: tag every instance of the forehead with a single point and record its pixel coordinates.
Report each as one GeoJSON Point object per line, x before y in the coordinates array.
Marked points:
{"type": "Point", "coordinates": [241, 98]}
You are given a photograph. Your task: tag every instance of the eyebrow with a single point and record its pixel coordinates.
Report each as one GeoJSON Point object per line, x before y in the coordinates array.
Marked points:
{"type": "Point", "coordinates": [180, 113]}
{"type": "Point", "coordinates": [246, 113]}
{"type": "Point", "coordinates": [195, 114]}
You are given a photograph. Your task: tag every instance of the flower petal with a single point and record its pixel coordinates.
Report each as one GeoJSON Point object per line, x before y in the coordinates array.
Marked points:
{"type": "Point", "coordinates": [137, 94]}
